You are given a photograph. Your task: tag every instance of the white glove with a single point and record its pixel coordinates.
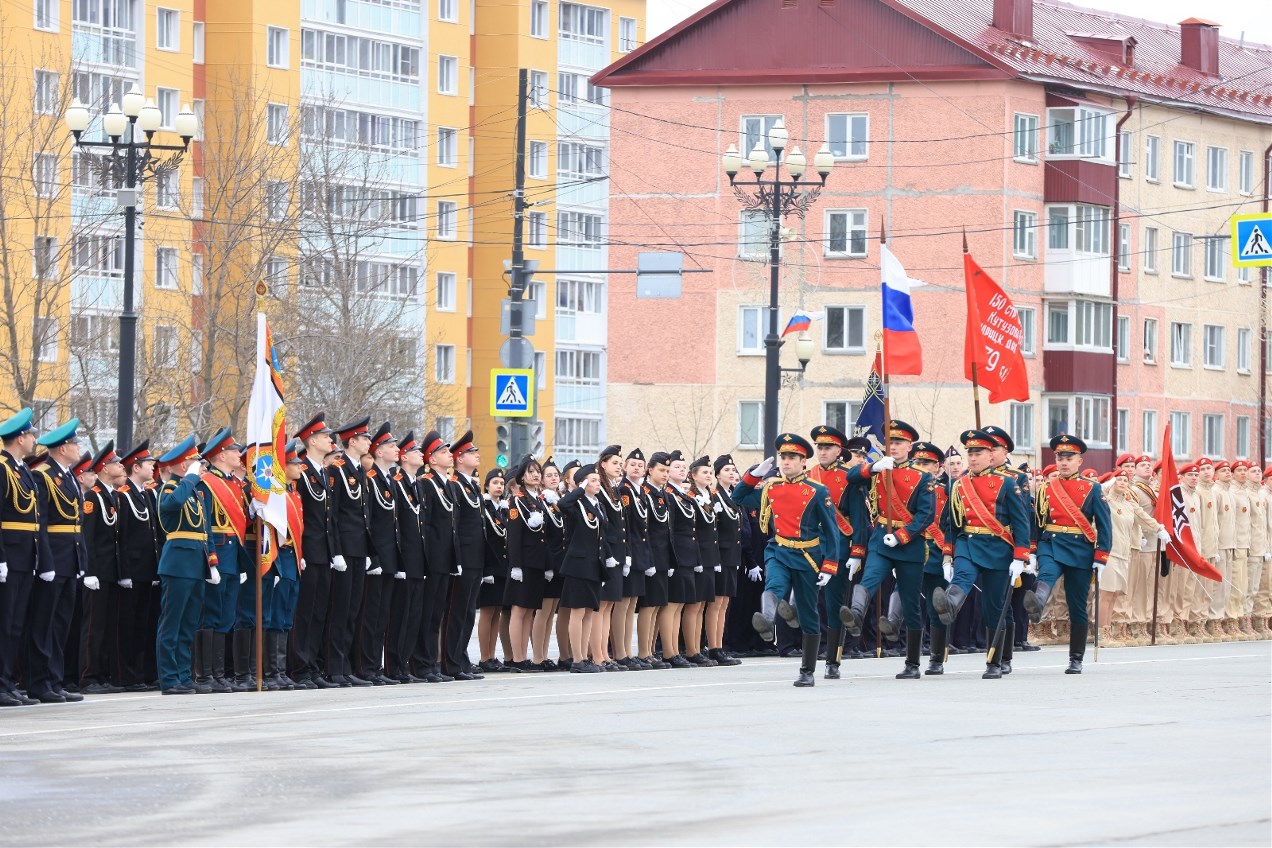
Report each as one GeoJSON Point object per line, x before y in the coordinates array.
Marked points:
{"type": "Point", "coordinates": [1145, 545]}
{"type": "Point", "coordinates": [154, 584]}
{"type": "Point", "coordinates": [697, 569]}
{"type": "Point", "coordinates": [4, 571]}
{"type": "Point", "coordinates": [548, 575]}
{"type": "Point", "coordinates": [196, 468]}
{"type": "Point", "coordinates": [755, 574]}
{"type": "Point", "coordinates": [92, 584]}
{"type": "Point", "coordinates": [302, 565]}
{"type": "Point", "coordinates": [1267, 557]}
{"type": "Point", "coordinates": [534, 520]}
{"type": "Point", "coordinates": [47, 576]}
{"type": "Point", "coordinates": [702, 499]}
{"type": "Point", "coordinates": [1099, 570]}
{"type": "Point", "coordinates": [885, 464]}
{"type": "Point", "coordinates": [215, 577]}
{"type": "Point", "coordinates": [854, 565]}
{"type": "Point", "coordinates": [277, 578]}
{"type": "Point", "coordinates": [489, 579]}
{"type": "Point", "coordinates": [399, 575]}
{"type": "Point", "coordinates": [823, 577]}
{"type": "Point", "coordinates": [368, 563]}
{"type": "Point", "coordinates": [651, 571]}
{"type": "Point", "coordinates": [375, 572]}
{"type": "Point", "coordinates": [242, 578]}
{"type": "Point", "coordinates": [126, 583]}
{"type": "Point", "coordinates": [947, 569]}
{"type": "Point", "coordinates": [890, 539]}
{"type": "Point", "coordinates": [550, 496]}
{"type": "Point", "coordinates": [1032, 568]}
{"type": "Point", "coordinates": [1164, 536]}
{"type": "Point", "coordinates": [610, 562]}
{"type": "Point", "coordinates": [627, 569]}
{"type": "Point", "coordinates": [338, 563]}
{"type": "Point", "coordinates": [719, 507]}
{"type": "Point", "coordinates": [458, 572]}
{"type": "Point", "coordinates": [671, 572]}
{"type": "Point", "coordinates": [627, 561]}
{"type": "Point", "coordinates": [719, 569]}
{"type": "Point", "coordinates": [1017, 568]}
{"type": "Point", "coordinates": [516, 574]}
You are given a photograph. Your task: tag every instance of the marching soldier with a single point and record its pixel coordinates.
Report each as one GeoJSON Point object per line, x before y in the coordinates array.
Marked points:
{"type": "Point", "coordinates": [927, 458]}
{"type": "Point", "coordinates": [1017, 625]}
{"type": "Point", "coordinates": [987, 536]}
{"type": "Point", "coordinates": [1074, 535]}
{"type": "Point", "coordinates": [321, 545]}
{"type": "Point", "coordinates": [98, 652]}
{"type": "Point", "coordinates": [470, 556]}
{"type": "Point", "coordinates": [188, 559]}
{"type": "Point", "coordinates": [437, 496]}
{"type": "Point", "coordinates": [408, 582]}
{"type": "Point", "coordinates": [20, 546]}
{"type": "Point", "coordinates": [228, 515]}
{"type": "Point", "coordinates": [1260, 548]}
{"type": "Point", "coordinates": [61, 561]}
{"type": "Point", "coordinates": [382, 521]}
{"type": "Point", "coordinates": [139, 546]}
{"type": "Point", "coordinates": [832, 472]}
{"type": "Point", "coordinates": [904, 507]}
{"type": "Point", "coordinates": [349, 503]}
{"type": "Point", "coordinates": [803, 553]}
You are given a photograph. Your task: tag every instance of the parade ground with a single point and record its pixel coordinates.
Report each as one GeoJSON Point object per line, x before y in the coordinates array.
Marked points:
{"type": "Point", "coordinates": [1150, 746]}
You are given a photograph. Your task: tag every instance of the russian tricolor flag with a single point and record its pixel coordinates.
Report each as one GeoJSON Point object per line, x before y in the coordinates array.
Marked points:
{"type": "Point", "coordinates": [801, 321]}
{"type": "Point", "coordinates": [902, 353]}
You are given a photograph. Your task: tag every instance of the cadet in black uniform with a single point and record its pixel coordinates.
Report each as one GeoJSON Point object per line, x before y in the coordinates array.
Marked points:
{"type": "Point", "coordinates": [701, 480]}
{"type": "Point", "coordinates": [556, 481]}
{"type": "Point", "coordinates": [321, 545]}
{"type": "Point", "coordinates": [681, 588]}
{"type": "Point", "coordinates": [377, 595]}
{"type": "Point", "coordinates": [653, 491]}
{"type": "Point", "coordinates": [729, 534]}
{"type": "Point", "coordinates": [470, 556]}
{"type": "Point", "coordinates": [139, 546]}
{"type": "Point", "coordinates": [19, 548]}
{"type": "Point", "coordinates": [527, 558]}
{"type": "Point", "coordinates": [609, 468]}
{"type": "Point", "coordinates": [100, 623]}
{"type": "Point", "coordinates": [636, 519]}
{"type": "Point", "coordinates": [490, 597]}
{"type": "Point", "coordinates": [584, 567]}
{"type": "Point", "coordinates": [437, 496]}
{"type": "Point", "coordinates": [407, 605]}
{"type": "Point", "coordinates": [349, 503]}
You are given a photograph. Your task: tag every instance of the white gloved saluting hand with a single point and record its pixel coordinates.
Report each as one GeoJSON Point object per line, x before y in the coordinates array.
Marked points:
{"type": "Point", "coordinates": [764, 467]}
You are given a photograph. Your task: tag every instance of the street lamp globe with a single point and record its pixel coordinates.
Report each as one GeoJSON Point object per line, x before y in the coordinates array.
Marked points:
{"type": "Point", "coordinates": [77, 117]}
{"type": "Point", "coordinates": [778, 136]}
{"type": "Point", "coordinates": [824, 161]}
{"type": "Point", "coordinates": [759, 159]}
{"type": "Point", "coordinates": [804, 348]}
{"type": "Point", "coordinates": [150, 118]}
{"type": "Point", "coordinates": [133, 102]}
{"type": "Point", "coordinates": [796, 164]}
{"type": "Point", "coordinates": [114, 122]}
{"type": "Point", "coordinates": [732, 160]}
{"type": "Point", "coordinates": [187, 124]}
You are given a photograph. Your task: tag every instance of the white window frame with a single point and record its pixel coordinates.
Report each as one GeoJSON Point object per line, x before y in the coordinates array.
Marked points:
{"type": "Point", "coordinates": [1215, 259]}
{"type": "Point", "coordinates": [851, 314]}
{"type": "Point", "coordinates": [536, 230]}
{"type": "Point", "coordinates": [169, 102]}
{"type": "Point", "coordinates": [761, 316]}
{"type": "Point", "coordinates": [278, 47]}
{"type": "Point", "coordinates": [537, 160]}
{"type": "Point", "coordinates": [1245, 172]}
{"type": "Point", "coordinates": [1184, 171]}
{"type": "Point", "coordinates": [1081, 318]}
{"type": "Point", "coordinates": [757, 441]}
{"type": "Point", "coordinates": [444, 364]}
{"type": "Point", "coordinates": [1124, 247]}
{"type": "Point", "coordinates": [538, 93]}
{"type": "Point", "coordinates": [1024, 138]}
{"type": "Point", "coordinates": [168, 189]}
{"type": "Point", "coordinates": [1212, 434]}
{"type": "Point", "coordinates": [1123, 338]}
{"type": "Point", "coordinates": [448, 11]}
{"type": "Point", "coordinates": [44, 174]}
{"type": "Point", "coordinates": [277, 118]}
{"type": "Point", "coordinates": [1148, 259]}
{"type": "Point", "coordinates": [44, 258]}
{"type": "Point", "coordinates": [847, 416]}
{"type": "Point", "coordinates": [1214, 343]}
{"type": "Point", "coordinates": [1092, 134]}
{"type": "Point", "coordinates": [1021, 416]}
{"type": "Point", "coordinates": [167, 277]}
{"type": "Point", "coordinates": [1123, 426]}
{"type": "Point", "coordinates": [1082, 417]}
{"type": "Point", "coordinates": [856, 137]}
{"type": "Point", "coordinates": [627, 35]}
{"type": "Point", "coordinates": [1216, 169]}
{"type": "Point", "coordinates": [1024, 234]}
{"type": "Point", "coordinates": [1180, 344]}
{"type": "Point", "coordinates": [1181, 255]}
{"type": "Point", "coordinates": [1242, 447]}
{"type": "Point", "coordinates": [1152, 159]}
{"type": "Point", "coordinates": [447, 147]}
{"type": "Point", "coordinates": [46, 15]}
{"type": "Point", "coordinates": [448, 75]}
{"type": "Point", "coordinates": [1148, 435]}
{"type": "Point", "coordinates": [1028, 317]}
{"type": "Point", "coordinates": [753, 250]}
{"type": "Point", "coordinates": [445, 294]}
{"type": "Point", "coordinates": [48, 347]}
{"type": "Point", "coordinates": [1180, 433]}
{"type": "Point", "coordinates": [200, 42]}
{"type": "Point", "coordinates": [763, 123]}
{"type": "Point", "coordinates": [1245, 349]}
{"type": "Point", "coordinates": [46, 92]}
{"type": "Point", "coordinates": [856, 227]}
{"type": "Point", "coordinates": [447, 220]}
{"type": "Point", "coordinates": [539, 21]}
{"type": "Point", "coordinates": [1150, 341]}
{"type": "Point", "coordinates": [1124, 155]}
{"type": "Point", "coordinates": [168, 30]}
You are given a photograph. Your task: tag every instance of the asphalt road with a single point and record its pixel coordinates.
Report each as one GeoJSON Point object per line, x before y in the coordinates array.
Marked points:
{"type": "Point", "coordinates": [1151, 746]}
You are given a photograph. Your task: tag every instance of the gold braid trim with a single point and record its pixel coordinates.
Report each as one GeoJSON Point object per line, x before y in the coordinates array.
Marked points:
{"type": "Point", "coordinates": [60, 501]}
{"type": "Point", "coordinates": [16, 491]}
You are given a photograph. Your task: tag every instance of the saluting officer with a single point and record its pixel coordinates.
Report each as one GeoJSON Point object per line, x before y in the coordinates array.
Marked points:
{"type": "Point", "coordinates": [321, 544]}
{"type": "Point", "coordinates": [19, 548]}
{"type": "Point", "coordinates": [188, 559]}
{"type": "Point", "coordinates": [378, 593]}
{"type": "Point", "coordinates": [470, 556]}
{"type": "Point", "coordinates": [1074, 533]}
{"type": "Point", "coordinates": [803, 553]}
{"type": "Point", "coordinates": [99, 627]}
{"type": "Point", "coordinates": [902, 500]}
{"type": "Point", "coordinates": [62, 559]}
{"type": "Point", "coordinates": [987, 536]}
{"type": "Point", "coordinates": [349, 502]}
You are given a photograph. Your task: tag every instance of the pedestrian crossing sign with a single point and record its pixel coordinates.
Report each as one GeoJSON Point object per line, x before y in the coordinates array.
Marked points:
{"type": "Point", "coordinates": [1252, 240]}
{"type": "Point", "coordinates": [511, 392]}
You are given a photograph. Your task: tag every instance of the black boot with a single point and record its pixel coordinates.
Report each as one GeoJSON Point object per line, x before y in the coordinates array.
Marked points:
{"type": "Point", "coordinates": [993, 668]}
{"type": "Point", "coordinates": [1036, 600]}
{"type": "Point", "coordinates": [947, 602]}
{"type": "Point", "coordinates": [280, 651]}
{"type": "Point", "coordinates": [1008, 650]}
{"type": "Point", "coordinates": [936, 663]}
{"type": "Point", "coordinates": [269, 657]}
{"type": "Point", "coordinates": [913, 642]}
{"type": "Point", "coordinates": [808, 667]}
{"type": "Point", "coordinates": [890, 625]}
{"type": "Point", "coordinates": [834, 652]}
{"type": "Point", "coordinates": [202, 663]}
{"type": "Point", "coordinates": [786, 612]}
{"type": "Point", "coordinates": [765, 621]}
{"type": "Point", "coordinates": [1077, 647]}
{"type": "Point", "coordinates": [852, 616]}
{"type": "Point", "coordinates": [243, 680]}
{"type": "Point", "coordinates": [216, 648]}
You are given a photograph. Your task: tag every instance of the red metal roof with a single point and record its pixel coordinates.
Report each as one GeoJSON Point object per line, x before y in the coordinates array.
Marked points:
{"type": "Point", "coordinates": [816, 41]}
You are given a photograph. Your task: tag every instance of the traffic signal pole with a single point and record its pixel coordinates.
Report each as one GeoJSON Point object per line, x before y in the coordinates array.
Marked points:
{"type": "Point", "coordinates": [519, 278]}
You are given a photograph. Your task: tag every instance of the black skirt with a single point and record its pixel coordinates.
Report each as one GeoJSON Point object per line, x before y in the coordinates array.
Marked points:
{"type": "Point", "coordinates": [612, 589]}
{"type": "Point", "coordinates": [681, 588]}
{"type": "Point", "coordinates": [655, 594]}
{"type": "Point", "coordinates": [577, 593]}
{"type": "Point", "coordinates": [634, 583]}
{"type": "Point", "coordinates": [704, 585]}
{"type": "Point", "coordinates": [726, 582]}
{"type": "Point", "coordinates": [552, 588]}
{"type": "Point", "coordinates": [492, 594]}
{"type": "Point", "coordinates": [527, 593]}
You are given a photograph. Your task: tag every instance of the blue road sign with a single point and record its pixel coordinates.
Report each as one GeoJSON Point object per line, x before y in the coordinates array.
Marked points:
{"type": "Point", "coordinates": [1252, 240]}
{"type": "Point", "coordinates": [512, 392]}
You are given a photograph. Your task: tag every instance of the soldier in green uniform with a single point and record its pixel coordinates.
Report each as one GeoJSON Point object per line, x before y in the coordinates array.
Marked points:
{"type": "Point", "coordinates": [187, 560]}
{"type": "Point", "coordinates": [1073, 533]}
{"type": "Point", "coordinates": [803, 553]}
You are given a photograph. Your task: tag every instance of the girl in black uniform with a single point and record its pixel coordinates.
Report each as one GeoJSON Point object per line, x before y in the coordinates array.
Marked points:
{"type": "Point", "coordinates": [555, 530]}
{"type": "Point", "coordinates": [527, 558]}
{"type": "Point", "coordinates": [681, 589]}
{"type": "Point", "coordinates": [701, 478]}
{"type": "Point", "coordinates": [584, 567]}
{"type": "Point", "coordinates": [729, 530]}
{"type": "Point", "coordinates": [618, 564]}
{"type": "Point", "coordinates": [490, 596]}
{"type": "Point", "coordinates": [653, 491]}
{"type": "Point", "coordinates": [636, 519]}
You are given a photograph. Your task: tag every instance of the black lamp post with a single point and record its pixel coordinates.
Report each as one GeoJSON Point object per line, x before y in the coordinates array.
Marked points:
{"type": "Point", "coordinates": [136, 161]}
{"type": "Point", "coordinates": [777, 198]}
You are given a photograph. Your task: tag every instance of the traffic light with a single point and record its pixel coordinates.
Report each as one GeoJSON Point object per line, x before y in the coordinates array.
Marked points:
{"type": "Point", "coordinates": [536, 438]}
{"type": "Point", "coordinates": [503, 444]}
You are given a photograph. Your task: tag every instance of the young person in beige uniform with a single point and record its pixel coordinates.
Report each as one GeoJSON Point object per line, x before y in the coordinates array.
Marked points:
{"type": "Point", "coordinates": [1258, 549]}
{"type": "Point", "coordinates": [1263, 598]}
{"type": "Point", "coordinates": [1203, 591]}
{"type": "Point", "coordinates": [1144, 560]}
{"type": "Point", "coordinates": [1226, 510]}
{"type": "Point", "coordinates": [1183, 581]}
{"type": "Point", "coordinates": [1234, 620]}
{"type": "Point", "coordinates": [1130, 522]}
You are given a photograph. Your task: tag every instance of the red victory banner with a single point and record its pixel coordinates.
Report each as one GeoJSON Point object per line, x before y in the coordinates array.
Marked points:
{"type": "Point", "coordinates": [992, 351]}
{"type": "Point", "coordinates": [1172, 515]}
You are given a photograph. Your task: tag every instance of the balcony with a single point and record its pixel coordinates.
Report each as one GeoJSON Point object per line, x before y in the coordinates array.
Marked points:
{"type": "Point", "coordinates": [95, 46]}
{"type": "Point", "coordinates": [337, 87]}
{"type": "Point", "coordinates": [582, 120]}
{"type": "Point", "coordinates": [591, 55]}
{"type": "Point", "coordinates": [580, 328]}
{"type": "Point", "coordinates": [1079, 181]}
{"type": "Point", "coordinates": [380, 17]}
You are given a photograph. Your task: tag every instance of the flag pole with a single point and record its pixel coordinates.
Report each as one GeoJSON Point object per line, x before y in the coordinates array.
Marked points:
{"type": "Point", "coordinates": [260, 561]}
{"type": "Point", "coordinates": [975, 384]}
{"type": "Point", "coordinates": [888, 486]}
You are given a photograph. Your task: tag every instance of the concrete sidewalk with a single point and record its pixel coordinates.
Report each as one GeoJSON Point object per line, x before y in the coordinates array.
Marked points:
{"type": "Point", "coordinates": [1155, 746]}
